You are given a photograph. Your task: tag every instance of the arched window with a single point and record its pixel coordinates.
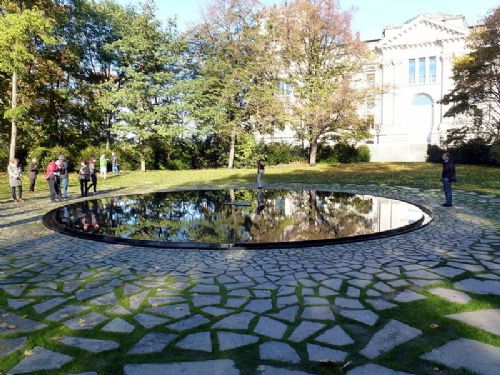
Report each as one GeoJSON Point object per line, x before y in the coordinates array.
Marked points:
{"type": "Point", "coordinates": [422, 99]}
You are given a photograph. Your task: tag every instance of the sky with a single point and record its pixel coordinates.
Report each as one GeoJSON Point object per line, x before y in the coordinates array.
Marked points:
{"type": "Point", "coordinates": [370, 16]}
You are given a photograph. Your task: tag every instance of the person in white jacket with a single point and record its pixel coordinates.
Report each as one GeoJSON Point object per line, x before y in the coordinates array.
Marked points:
{"type": "Point", "coordinates": [15, 174]}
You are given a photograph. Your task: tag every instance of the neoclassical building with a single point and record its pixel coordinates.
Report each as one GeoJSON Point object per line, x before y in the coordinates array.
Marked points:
{"type": "Point", "coordinates": [411, 73]}
{"type": "Point", "coordinates": [413, 70]}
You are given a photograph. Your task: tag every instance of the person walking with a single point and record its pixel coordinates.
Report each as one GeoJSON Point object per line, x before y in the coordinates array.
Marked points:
{"type": "Point", "coordinates": [52, 177]}
{"type": "Point", "coordinates": [64, 177]}
{"type": "Point", "coordinates": [103, 166]}
{"type": "Point", "coordinates": [33, 173]}
{"type": "Point", "coordinates": [93, 174]}
{"type": "Point", "coordinates": [115, 164]}
{"type": "Point", "coordinates": [448, 177]}
{"type": "Point", "coordinates": [15, 174]}
{"type": "Point", "coordinates": [84, 177]}
{"type": "Point", "coordinates": [260, 174]}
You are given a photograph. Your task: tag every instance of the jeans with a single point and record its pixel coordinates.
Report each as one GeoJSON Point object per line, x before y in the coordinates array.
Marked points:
{"type": "Point", "coordinates": [32, 184]}
{"type": "Point", "coordinates": [19, 192]}
{"type": "Point", "coordinates": [447, 190]}
{"type": "Point", "coordinates": [64, 187]}
{"type": "Point", "coordinates": [54, 193]}
{"type": "Point", "coordinates": [84, 188]}
{"type": "Point", "coordinates": [260, 180]}
{"type": "Point", "coordinates": [93, 179]}
{"type": "Point", "coordinates": [114, 168]}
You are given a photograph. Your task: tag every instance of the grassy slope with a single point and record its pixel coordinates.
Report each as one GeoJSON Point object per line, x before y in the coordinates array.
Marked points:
{"type": "Point", "coordinates": [424, 175]}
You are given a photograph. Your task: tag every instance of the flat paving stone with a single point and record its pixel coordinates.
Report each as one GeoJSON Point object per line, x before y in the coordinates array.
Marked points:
{"type": "Point", "coordinates": [335, 336]}
{"type": "Point", "coordinates": [149, 321]}
{"type": "Point", "coordinates": [471, 355]}
{"type": "Point", "coordinates": [158, 301]}
{"type": "Point", "coordinates": [215, 367]}
{"type": "Point", "coordinates": [391, 335]}
{"type": "Point", "coordinates": [479, 286]}
{"type": "Point", "coordinates": [259, 305]}
{"type": "Point", "coordinates": [317, 353]}
{"type": "Point", "coordinates": [380, 304]}
{"type": "Point", "coordinates": [90, 345]}
{"type": "Point", "coordinates": [188, 323]}
{"type": "Point", "coordinates": [348, 303]}
{"type": "Point", "coordinates": [229, 340]}
{"type": "Point", "coordinates": [104, 300]}
{"type": "Point", "coordinates": [87, 321]}
{"type": "Point", "coordinates": [367, 317]}
{"type": "Point", "coordinates": [278, 351]}
{"type": "Point", "coordinates": [334, 284]}
{"type": "Point", "coordinates": [66, 312]}
{"type": "Point", "coordinates": [39, 360]}
{"type": "Point", "coordinates": [205, 300]}
{"type": "Point", "coordinates": [18, 303]}
{"type": "Point", "coordinates": [14, 289]}
{"type": "Point", "coordinates": [8, 346]}
{"type": "Point", "coordinates": [153, 342]}
{"type": "Point", "coordinates": [487, 319]}
{"type": "Point", "coordinates": [136, 300]}
{"type": "Point", "coordinates": [318, 313]}
{"type": "Point", "coordinates": [199, 341]}
{"type": "Point", "coordinates": [239, 321]}
{"type": "Point", "coordinates": [12, 324]}
{"type": "Point", "coordinates": [451, 295]}
{"type": "Point", "coordinates": [118, 310]}
{"type": "Point", "coordinates": [270, 328]}
{"type": "Point", "coordinates": [408, 296]}
{"type": "Point", "coordinates": [85, 294]}
{"type": "Point", "coordinates": [288, 313]}
{"type": "Point", "coordinates": [273, 370]}
{"type": "Point", "coordinates": [372, 369]}
{"type": "Point", "coordinates": [172, 311]}
{"type": "Point", "coordinates": [315, 301]}
{"type": "Point", "coordinates": [45, 306]}
{"type": "Point", "coordinates": [217, 311]}
{"type": "Point", "coordinates": [304, 330]}
{"type": "Point", "coordinates": [118, 325]}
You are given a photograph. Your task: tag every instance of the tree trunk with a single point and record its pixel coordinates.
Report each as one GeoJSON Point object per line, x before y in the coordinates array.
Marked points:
{"type": "Point", "coordinates": [13, 133]}
{"type": "Point", "coordinates": [232, 146]}
{"type": "Point", "coordinates": [143, 163]}
{"type": "Point", "coordinates": [313, 152]}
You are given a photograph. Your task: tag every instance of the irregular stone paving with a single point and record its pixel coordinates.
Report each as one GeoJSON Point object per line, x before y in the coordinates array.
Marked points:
{"type": "Point", "coordinates": [289, 310]}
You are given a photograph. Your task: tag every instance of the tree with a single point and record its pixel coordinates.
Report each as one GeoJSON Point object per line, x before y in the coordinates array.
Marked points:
{"type": "Point", "coordinates": [320, 58]}
{"type": "Point", "coordinates": [147, 63]}
{"type": "Point", "coordinates": [233, 92]}
{"type": "Point", "coordinates": [477, 83]}
{"type": "Point", "coordinates": [22, 31]}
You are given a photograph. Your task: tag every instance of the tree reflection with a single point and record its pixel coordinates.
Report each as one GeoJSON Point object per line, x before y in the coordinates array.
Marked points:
{"type": "Point", "coordinates": [203, 216]}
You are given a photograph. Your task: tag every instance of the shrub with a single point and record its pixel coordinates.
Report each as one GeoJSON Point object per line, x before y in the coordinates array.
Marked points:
{"type": "Point", "coordinates": [364, 154]}
{"type": "Point", "coordinates": [474, 151]}
{"type": "Point", "coordinates": [345, 153]}
{"type": "Point", "coordinates": [44, 155]}
{"type": "Point", "coordinates": [495, 153]}
{"type": "Point", "coordinates": [280, 153]}
{"type": "Point", "coordinates": [434, 153]}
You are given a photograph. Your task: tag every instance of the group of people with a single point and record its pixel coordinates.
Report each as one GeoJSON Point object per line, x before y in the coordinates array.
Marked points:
{"type": "Point", "coordinates": [57, 176]}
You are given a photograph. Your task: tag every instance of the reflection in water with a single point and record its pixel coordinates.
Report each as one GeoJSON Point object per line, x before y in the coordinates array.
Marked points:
{"type": "Point", "coordinates": [206, 216]}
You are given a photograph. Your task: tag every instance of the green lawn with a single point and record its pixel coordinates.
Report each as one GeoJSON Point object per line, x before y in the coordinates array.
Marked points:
{"type": "Point", "coordinates": [424, 175]}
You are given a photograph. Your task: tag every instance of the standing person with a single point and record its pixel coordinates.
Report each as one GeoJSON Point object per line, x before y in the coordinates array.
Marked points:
{"type": "Point", "coordinates": [15, 175]}
{"type": "Point", "coordinates": [64, 177]}
{"type": "Point", "coordinates": [33, 173]}
{"type": "Point", "coordinates": [93, 174]}
{"type": "Point", "coordinates": [103, 166]}
{"type": "Point", "coordinates": [260, 174]}
{"type": "Point", "coordinates": [448, 177]}
{"type": "Point", "coordinates": [52, 177]}
{"type": "Point", "coordinates": [114, 163]}
{"type": "Point", "coordinates": [84, 177]}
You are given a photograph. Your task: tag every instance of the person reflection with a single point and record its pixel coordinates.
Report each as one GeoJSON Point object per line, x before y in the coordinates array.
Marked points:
{"type": "Point", "coordinates": [261, 204]}
{"type": "Point", "coordinates": [89, 217]}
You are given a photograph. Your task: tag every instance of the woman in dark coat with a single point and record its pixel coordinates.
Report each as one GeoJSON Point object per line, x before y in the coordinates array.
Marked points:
{"type": "Point", "coordinates": [84, 178]}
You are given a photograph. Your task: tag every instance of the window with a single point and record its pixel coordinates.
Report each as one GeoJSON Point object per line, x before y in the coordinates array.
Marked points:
{"type": "Point", "coordinates": [285, 88]}
{"type": "Point", "coordinates": [370, 77]}
{"type": "Point", "coordinates": [432, 69]}
{"type": "Point", "coordinates": [412, 71]}
{"type": "Point", "coordinates": [421, 70]}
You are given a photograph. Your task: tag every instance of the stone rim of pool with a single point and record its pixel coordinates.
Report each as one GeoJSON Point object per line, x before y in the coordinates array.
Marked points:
{"type": "Point", "coordinates": [51, 222]}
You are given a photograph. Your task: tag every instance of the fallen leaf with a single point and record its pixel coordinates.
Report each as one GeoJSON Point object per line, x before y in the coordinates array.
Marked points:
{"type": "Point", "coordinates": [434, 325]}
{"type": "Point", "coordinates": [28, 352]}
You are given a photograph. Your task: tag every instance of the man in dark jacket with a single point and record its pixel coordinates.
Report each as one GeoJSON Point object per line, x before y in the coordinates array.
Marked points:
{"type": "Point", "coordinates": [64, 177]}
{"type": "Point", "coordinates": [448, 176]}
{"type": "Point", "coordinates": [33, 173]}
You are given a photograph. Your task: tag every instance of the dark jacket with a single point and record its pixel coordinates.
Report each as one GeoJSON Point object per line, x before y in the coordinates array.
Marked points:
{"type": "Point", "coordinates": [84, 173]}
{"type": "Point", "coordinates": [449, 171]}
{"type": "Point", "coordinates": [33, 170]}
{"type": "Point", "coordinates": [64, 171]}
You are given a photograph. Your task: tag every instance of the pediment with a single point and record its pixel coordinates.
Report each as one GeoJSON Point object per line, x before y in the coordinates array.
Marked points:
{"type": "Point", "coordinates": [422, 30]}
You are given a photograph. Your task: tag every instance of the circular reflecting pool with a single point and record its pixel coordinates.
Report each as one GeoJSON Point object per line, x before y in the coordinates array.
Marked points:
{"type": "Point", "coordinates": [210, 219]}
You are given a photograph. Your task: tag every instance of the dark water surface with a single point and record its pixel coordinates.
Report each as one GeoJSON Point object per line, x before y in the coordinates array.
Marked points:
{"type": "Point", "coordinates": [235, 216]}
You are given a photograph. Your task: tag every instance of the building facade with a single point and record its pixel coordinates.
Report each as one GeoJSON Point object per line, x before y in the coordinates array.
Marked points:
{"type": "Point", "coordinates": [411, 73]}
